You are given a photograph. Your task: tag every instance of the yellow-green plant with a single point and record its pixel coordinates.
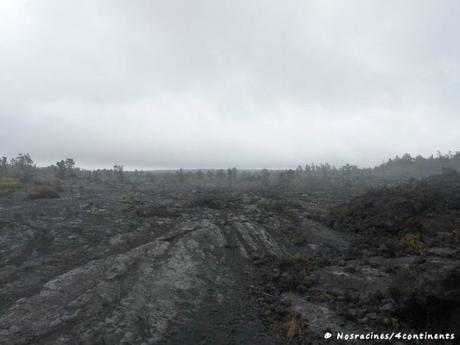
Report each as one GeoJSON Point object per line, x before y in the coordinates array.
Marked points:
{"type": "Point", "coordinates": [127, 199]}
{"type": "Point", "coordinates": [9, 183]}
{"type": "Point", "coordinates": [263, 202]}
{"type": "Point", "coordinates": [412, 243]}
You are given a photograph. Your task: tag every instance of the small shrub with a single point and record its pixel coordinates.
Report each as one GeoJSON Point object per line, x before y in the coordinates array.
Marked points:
{"type": "Point", "coordinates": [41, 192]}
{"type": "Point", "coordinates": [263, 203]}
{"type": "Point", "coordinates": [127, 199]}
{"type": "Point", "coordinates": [9, 183]}
{"type": "Point", "coordinates": [296, 258]}
{"type": "Point", "coordinates": [412, 243]}
{"type": "Point", "coordinates": [390, 323]}
{"type": "Point", "coordinates": [294, 274]}
{"type": "Point", "coordinates": [319, 296]}
{"type": "Point", "coordinates": [323, 206]}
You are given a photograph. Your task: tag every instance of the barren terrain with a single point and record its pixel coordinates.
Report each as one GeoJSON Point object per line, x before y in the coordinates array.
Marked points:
{"type": "Point", "coordinates": [111, 264]}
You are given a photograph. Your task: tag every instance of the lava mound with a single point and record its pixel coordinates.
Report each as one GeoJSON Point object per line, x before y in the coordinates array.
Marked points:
{"type": "Point", "coordinates": [411, 207]}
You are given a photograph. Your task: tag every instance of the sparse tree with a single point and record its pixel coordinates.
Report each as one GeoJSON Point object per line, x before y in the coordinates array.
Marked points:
{"type": "Point", "coordinates": [65, 168]}
{"type": "Point", "coordinates": [265, 177]}
{"type": "Point", "coordinates": [23, 167]}
{"type": "Point", "coordinates": [3, 167]}
{"type": "Point", "coordinates": [199, 175]}
{"type": "Point", "coordinates": [150, 177]}
{"type": "Point", "coordinates": [119, 173]}
{"type": "Point", "coordinates": [220, 176]}
{"type": "Point", "coordinates": [232, 175]}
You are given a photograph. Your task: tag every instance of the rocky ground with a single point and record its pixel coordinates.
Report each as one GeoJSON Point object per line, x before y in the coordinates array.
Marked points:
{"type": "Point", "coordinates": [107, 264]}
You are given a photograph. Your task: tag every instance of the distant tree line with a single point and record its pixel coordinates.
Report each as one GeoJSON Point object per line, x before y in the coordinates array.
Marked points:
{"type": "Point", "coordinates": [21, 167]}
{"type": "Point", "coordinates": [406, 167]}
{"type": "Point", "coordinates": [419, 166]}
{"type": "Point", "coordinates": [24, 169]}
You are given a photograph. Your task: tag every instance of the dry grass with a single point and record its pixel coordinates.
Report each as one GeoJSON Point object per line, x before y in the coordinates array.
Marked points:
{"type": "Point", "coordinates": [7, 183]}
{"type": "Point", "coordinates": [294, 325]}
{"type": "Point", "coordinates": [456, 234]}
{"type": "Point", "coordinates": [41, 192]}
{"type": "Point", "coordinates": [391, 323]}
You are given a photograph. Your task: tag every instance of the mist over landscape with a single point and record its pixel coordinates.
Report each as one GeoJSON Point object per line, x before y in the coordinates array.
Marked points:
{"type": "Point", "coordinates": [226, 172]}
{"type": "Point", "coordinates": [207, 84]}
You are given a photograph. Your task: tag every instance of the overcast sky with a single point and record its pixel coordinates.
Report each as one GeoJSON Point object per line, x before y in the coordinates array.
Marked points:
{"type": "Point", "coordinates": [220, 83]}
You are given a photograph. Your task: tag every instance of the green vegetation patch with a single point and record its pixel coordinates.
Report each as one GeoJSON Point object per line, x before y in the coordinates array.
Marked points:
{"type": "Point", "coordinates": [296, 258]}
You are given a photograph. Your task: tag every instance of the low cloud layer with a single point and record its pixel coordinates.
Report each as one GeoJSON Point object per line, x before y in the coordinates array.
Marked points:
{"type": "Point", "coordinates": [169, 84]}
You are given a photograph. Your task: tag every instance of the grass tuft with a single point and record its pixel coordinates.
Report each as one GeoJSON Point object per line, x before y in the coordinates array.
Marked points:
{"type": "Point", "coordinates": [41, 192]}
{"type": "Point", "coordinates": [294, 325]}
{"type": "Point", "coordinates": [7, 183]}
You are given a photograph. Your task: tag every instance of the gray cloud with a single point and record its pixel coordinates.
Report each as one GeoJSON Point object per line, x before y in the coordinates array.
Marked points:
{"type": "Point", "coordinates": [221, 83]}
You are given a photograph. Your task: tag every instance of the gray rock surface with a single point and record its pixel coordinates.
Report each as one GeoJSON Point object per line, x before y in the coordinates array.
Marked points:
{"type": "Point", "coordinates": [191, 268]}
